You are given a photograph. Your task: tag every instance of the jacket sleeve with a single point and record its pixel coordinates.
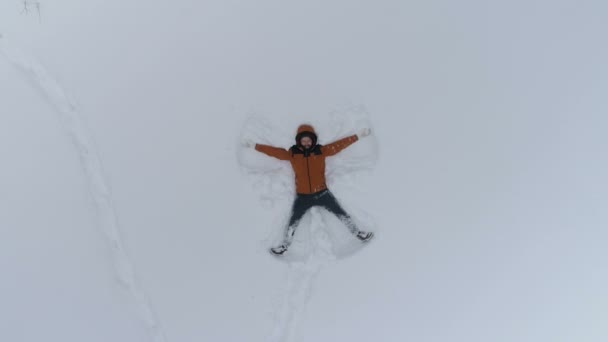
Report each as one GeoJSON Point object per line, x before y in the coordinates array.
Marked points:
{"type": "Point", "coordinates": [338, 145]}
{"type": "Point", "coordinates": [276, 152]}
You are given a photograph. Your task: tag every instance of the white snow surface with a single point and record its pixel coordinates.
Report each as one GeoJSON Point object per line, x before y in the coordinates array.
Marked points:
{"type": "Point", "coordinates": [130, 210]}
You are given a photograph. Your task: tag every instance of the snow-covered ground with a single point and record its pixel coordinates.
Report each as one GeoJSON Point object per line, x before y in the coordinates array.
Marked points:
{"type": "Point", "coordinates": [131, 212]}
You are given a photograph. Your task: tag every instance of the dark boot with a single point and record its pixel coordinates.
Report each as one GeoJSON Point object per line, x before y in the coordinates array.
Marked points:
{"type": "Point", "coordinates": [278, 250]}
{"type": "Point", "coordinates": [365, 236]}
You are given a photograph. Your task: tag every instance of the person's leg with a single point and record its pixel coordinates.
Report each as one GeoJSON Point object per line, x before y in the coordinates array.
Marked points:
{"type": "Point", "coordinates": [300, 207]}
{"type": "Point", "coordinates": [329, 202]}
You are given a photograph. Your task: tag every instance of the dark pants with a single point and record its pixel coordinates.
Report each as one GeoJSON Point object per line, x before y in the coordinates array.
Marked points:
{"type": "Point", "coordinates": [323, 199]}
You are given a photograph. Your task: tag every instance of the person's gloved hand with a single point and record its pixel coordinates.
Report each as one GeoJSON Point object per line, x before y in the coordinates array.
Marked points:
{"type": "Point", "coordinates": [247, 142]}
{"type": "Point", "coordinates": [364, 132]}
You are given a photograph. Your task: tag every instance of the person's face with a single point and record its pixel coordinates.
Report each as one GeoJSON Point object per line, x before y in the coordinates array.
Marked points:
{"type": "Point", "coordinates": [306, 142]}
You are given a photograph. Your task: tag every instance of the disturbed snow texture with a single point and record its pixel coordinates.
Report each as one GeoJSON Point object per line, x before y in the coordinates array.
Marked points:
{"type": "Point", "coordinates": [75, 129]}
{"type": "Point", "coordinates": [320, 238]}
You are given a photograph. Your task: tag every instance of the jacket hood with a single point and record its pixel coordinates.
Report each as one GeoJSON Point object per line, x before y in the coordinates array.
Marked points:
{"type": "Point", "coordinates": [306, 131]}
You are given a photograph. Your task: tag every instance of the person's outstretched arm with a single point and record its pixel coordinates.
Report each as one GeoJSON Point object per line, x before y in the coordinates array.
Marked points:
{"type": "Point", "coordinates": [338, 145]}
{"type": "Point", "coordinates": [272, 151]}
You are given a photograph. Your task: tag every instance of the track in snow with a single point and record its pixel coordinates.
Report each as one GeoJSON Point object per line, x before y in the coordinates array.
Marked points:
{"type": "Point", "coordinates": [71, 120]}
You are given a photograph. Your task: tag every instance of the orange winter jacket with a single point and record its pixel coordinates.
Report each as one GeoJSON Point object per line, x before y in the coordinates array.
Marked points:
{"type": "Point", "coordinates": [308, 165]}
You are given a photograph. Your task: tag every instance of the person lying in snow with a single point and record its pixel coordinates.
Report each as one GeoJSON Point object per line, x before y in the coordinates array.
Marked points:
{"type": "Point", "coordinates": [308, 162]}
